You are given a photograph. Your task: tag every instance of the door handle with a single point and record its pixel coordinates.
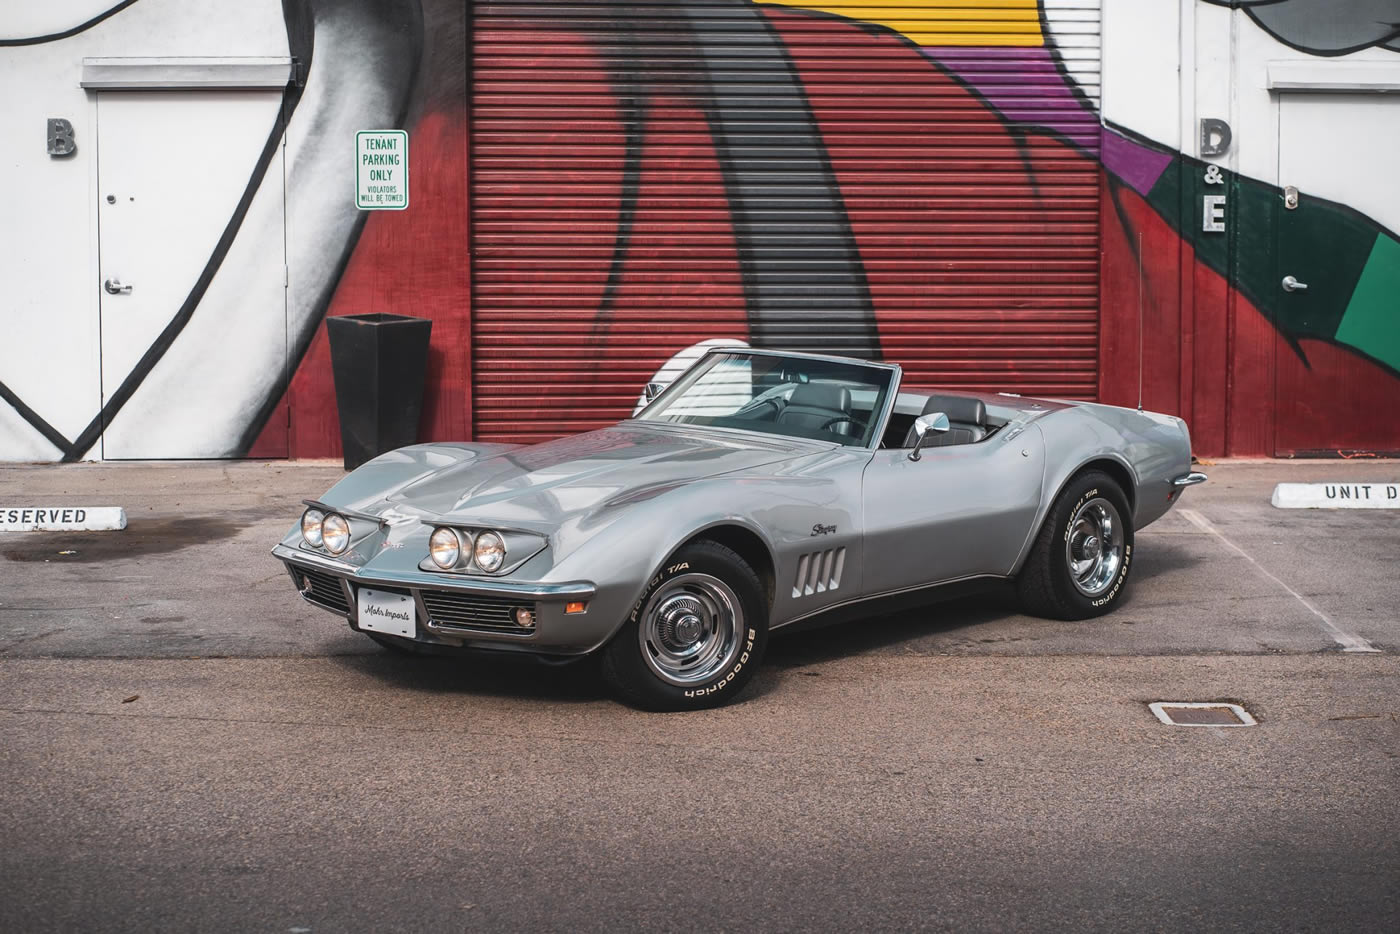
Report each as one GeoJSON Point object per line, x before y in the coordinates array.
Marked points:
{"type": "Point", "coordinates": [115, 287]}
{"type": "Point", "coordinates": [1291, 284]}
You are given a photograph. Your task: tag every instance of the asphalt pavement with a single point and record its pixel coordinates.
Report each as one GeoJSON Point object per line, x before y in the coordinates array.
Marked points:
{"type": "Point", "coordinates": [188, 746]}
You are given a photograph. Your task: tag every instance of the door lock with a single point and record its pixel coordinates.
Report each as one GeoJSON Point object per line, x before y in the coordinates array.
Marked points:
{"type": "Point", "coordinates": [115, 287]}
{"type": "Point", "coordinates": [1291, 284]}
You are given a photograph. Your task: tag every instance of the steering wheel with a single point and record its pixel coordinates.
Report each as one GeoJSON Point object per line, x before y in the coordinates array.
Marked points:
{"type": "Point", "coordinates": [843, 418]}
{"type": "Point", "coordinates": [776, 402]}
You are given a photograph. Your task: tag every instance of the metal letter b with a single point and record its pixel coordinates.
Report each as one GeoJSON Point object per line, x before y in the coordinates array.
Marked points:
{"type": "Point", "coordinates": [61, 137]}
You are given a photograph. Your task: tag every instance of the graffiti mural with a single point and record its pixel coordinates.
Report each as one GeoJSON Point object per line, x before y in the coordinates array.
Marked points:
{"type": "Point", "coordinates": [857, 198]}
{"type": "Point", "coordinates": [208, 381]}
{"type": "Point", "coordinates": [935, 184]}
{"type": "Point", "coordinates": [1024, 77]}
{"type": "Point", "coordinates": [1316, 359]}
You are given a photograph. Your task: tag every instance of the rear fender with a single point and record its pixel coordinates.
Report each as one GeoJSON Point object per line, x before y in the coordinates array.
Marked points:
{"type": "Point", "coordinates": [1066, 455]}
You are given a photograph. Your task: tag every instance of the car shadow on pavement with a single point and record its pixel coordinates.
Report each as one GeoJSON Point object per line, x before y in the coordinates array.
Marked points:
{"type": "Point", "coordinates": [494, 674]}
{"type": "Point", "coordinates": [798, 647]}
{"type": "Point", "coordinates": [506, 675]}
{"type": "Point", "coordinates": [793, 648]}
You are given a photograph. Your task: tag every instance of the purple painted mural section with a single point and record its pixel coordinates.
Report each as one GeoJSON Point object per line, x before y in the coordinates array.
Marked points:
{"type": "Point", "coordinates": [1134, 163]}
{"type": "Point", "coordinates": [1025, 86]}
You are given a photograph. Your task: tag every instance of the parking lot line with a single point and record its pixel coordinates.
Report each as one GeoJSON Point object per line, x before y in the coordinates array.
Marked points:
{"type": "Point", "coordinates": [1348, 642]}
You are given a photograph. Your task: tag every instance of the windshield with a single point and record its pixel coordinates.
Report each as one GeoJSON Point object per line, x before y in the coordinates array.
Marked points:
{"type": "Point", "coordinates": [796, 396]}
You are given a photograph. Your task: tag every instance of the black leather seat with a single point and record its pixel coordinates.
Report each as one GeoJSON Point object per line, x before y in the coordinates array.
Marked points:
{"type": "Point", "coordinates": [967, 421]}
{"type": "Point", "coordinates": [818, 405]}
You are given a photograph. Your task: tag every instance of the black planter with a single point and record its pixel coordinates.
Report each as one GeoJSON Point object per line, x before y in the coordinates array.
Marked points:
{"type": "Point", "coordinates": [379, 363]}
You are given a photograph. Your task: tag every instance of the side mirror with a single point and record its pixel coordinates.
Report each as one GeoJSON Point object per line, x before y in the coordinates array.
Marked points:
{"type": "Point", "coordinates": [925, 427]}
{"type": "Point", "coordinates": [652, 390]}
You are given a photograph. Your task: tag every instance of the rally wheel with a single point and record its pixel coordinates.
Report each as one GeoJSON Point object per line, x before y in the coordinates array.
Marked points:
{"type": "Point", "coordinates": [1079, 564]}
{"type": "Point", "coordinates": [695, 637]}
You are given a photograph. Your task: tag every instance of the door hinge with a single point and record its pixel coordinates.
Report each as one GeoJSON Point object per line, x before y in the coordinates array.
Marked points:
{"type": "Point", "coordinates": [286, 276]}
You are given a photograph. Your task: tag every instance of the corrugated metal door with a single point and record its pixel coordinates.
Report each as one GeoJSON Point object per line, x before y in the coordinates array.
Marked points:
{"type": "Point", "coordinates": [912, 181]}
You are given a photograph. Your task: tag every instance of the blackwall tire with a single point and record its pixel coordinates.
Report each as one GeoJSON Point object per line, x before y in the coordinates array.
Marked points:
{"type": "Point", "coordinates": [1079, 565]}
{"type": "Point", "coordinates": [696, 635]}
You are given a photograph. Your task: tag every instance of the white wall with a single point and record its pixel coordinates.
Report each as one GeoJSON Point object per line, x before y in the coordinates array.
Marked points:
{"type": "Point", "coordinates": [49, 346]}
{"type": "Point", "coordinates": [1141, 53]}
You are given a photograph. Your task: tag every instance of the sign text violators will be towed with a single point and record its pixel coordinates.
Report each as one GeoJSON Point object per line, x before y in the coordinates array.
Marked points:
{"type": "Point", "coordinates": [381, 170]}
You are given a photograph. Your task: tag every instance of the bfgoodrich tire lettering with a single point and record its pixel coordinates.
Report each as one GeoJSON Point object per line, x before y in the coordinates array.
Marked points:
{"type": "Point", "coordinates": [694, 637]}
{"type": "Point", "coordinates": [1079, 564]}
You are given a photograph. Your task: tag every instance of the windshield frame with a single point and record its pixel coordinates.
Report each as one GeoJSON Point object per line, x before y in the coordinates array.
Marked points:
{"type": "Point", "coordinates": [879, 421]}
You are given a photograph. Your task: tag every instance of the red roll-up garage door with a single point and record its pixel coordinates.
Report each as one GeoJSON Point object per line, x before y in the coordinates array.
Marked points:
{"type": "Point", "coordinates": [649, 175]}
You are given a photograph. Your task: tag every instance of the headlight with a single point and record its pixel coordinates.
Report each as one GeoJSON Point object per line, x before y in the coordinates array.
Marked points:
{"type": "Point", "coordinates": [490, 551]}
{"type": "Point", "coordinates": [311, 527]}
{"type": "Point", "coordinates": [445, 548]}
{"type": "Point", "coordinates": [335, 533]}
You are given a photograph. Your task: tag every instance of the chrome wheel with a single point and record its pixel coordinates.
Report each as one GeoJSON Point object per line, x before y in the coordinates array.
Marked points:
{"type": "Point", "coordinates": [1094, 546]}
{"type": "Point", "coordinates": [691, 629]}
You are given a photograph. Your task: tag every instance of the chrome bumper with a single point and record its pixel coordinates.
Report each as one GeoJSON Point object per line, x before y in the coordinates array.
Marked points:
{"type": "Point", "coordinates": [1190, 479]}
{"type": "Point", "coordinates": [432, 594]}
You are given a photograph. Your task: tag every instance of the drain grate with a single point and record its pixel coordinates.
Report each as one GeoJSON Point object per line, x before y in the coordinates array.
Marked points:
{"type": "Point", "coordinates": [1191, 714]}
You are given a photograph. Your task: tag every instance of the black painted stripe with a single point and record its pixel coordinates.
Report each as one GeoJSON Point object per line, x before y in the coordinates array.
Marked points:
{"type": "Point", "coordinates": [52, 434]}
{"type": "Point", "coordinates": [626, 77]}
{"type": "Point", "coordinates": [301, 18]}
{"type": "Point", "coordinates": [784, 299]}
{"type": "Point", "coordinates": [81, 27]}
{"type": "Point", "coordinates": [301, 45]}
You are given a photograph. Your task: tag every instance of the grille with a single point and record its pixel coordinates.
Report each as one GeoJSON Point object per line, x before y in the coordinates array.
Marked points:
{"type": "Point", "coordinates": [819, 571]}
{"type": "Point", "coordinates": [469, 611]}
{"type": "Point", "coordinates": [325, 589]}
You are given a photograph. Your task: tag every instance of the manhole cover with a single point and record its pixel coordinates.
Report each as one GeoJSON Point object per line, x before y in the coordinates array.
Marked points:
{"type": "Point", "coordinates": [1189, 714]}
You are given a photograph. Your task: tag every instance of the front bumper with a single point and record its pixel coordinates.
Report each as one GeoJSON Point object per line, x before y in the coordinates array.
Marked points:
{"type": "Point", "coordinates": [457, 611]}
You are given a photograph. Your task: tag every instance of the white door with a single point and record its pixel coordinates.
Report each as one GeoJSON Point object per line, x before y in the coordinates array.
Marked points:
{"type": "Point", "coordinates": [177, 171]}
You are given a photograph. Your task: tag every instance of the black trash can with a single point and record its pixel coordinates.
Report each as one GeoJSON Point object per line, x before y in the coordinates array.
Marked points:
{"type": "Point", "coordinates": [379, 363]}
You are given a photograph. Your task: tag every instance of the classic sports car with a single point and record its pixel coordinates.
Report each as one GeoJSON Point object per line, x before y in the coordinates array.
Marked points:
{"type": "Point", "coordinates": [758, 490]}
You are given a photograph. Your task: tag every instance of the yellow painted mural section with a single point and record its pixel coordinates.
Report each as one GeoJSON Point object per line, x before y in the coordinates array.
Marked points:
{"type": "Point", "coordinates": [953, 22]}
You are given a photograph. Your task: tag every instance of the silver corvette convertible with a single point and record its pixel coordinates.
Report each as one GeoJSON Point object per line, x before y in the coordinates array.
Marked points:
{"type": "Point", "coordinates": [758, 490]}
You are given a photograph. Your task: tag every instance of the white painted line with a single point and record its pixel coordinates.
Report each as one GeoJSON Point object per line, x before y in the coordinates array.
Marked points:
{"type": "Point", "coordinates": [62, 518]}
{"type": "Point", "coordinates": [1346, 640]}
{"type": "Point", "coordinates": [1373, 495]}
{"type": "Point", "coordinates": [1161, 708]}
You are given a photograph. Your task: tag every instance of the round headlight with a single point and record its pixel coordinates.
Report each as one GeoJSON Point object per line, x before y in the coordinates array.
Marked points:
{"type": "Point", "coordinates": [445, 548]}
{"type": "Point", "coordinates": [335, 533]}
{"type": "Point", "coordinates": [311, 527]}
{"type": "Point", "coordinates": [490, 552]}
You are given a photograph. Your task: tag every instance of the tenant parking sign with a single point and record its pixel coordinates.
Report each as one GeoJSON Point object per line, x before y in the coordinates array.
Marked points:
{"type": "Point", "coordinates": [381, 170]}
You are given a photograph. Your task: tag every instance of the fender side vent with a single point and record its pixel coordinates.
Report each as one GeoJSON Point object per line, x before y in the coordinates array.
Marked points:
{"type": "Point", "coordinates": [819, 571]}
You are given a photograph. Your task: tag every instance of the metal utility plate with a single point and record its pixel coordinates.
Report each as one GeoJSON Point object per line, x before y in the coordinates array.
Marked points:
{"type": "Point", "coordinates": [1201, 714]}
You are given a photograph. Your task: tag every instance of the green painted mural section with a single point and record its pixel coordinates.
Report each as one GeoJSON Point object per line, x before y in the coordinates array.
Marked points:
{"type": "Point", "coordinates": [1353, 278]}
{"type": "Point", "coordinates": [1327, 247]}
{"type": "Point", "coordinates": [1372, 320]}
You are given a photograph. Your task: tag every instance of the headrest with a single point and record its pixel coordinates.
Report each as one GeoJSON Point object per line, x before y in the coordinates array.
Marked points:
{"type": "Point", "coordinates": [958, 409]}
{"type": "Point", "coordinates": [822, 396]}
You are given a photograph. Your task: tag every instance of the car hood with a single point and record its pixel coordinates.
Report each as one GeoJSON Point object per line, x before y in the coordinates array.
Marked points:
{"type": "Point", "coordinates": [538, 486]}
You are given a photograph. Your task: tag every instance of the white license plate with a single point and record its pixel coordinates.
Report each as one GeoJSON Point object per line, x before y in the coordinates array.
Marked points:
{"type": "Point", "coordinates": [391, 613]}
